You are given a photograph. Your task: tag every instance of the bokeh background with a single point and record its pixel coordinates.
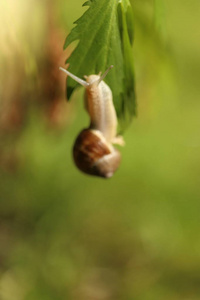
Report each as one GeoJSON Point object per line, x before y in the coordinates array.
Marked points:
{"type": "Point", "coordinates": [64, 235]}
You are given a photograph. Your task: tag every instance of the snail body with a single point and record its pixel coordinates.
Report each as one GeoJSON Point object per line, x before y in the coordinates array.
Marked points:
{"type": "Point", "coordinates": [93, 150]}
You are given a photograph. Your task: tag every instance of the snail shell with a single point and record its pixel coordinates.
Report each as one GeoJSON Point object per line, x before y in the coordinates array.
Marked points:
{"type": "Point", "coordinates": [94, 156]}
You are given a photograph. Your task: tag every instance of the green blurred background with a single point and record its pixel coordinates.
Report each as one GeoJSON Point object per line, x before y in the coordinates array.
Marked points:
{"type": "Point", "coordinates": [65, 235]}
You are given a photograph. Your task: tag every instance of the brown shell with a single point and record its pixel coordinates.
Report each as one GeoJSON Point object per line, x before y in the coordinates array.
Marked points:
{"type": "Point", "coordinates": [93, 156]}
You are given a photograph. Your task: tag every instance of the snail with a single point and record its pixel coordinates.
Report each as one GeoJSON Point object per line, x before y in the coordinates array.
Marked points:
{"type": "Point", "coordinates": [93, 149]}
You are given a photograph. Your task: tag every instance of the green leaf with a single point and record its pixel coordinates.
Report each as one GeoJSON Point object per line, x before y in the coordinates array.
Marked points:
{"type": "Point", "coordinates": [105, 35]}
